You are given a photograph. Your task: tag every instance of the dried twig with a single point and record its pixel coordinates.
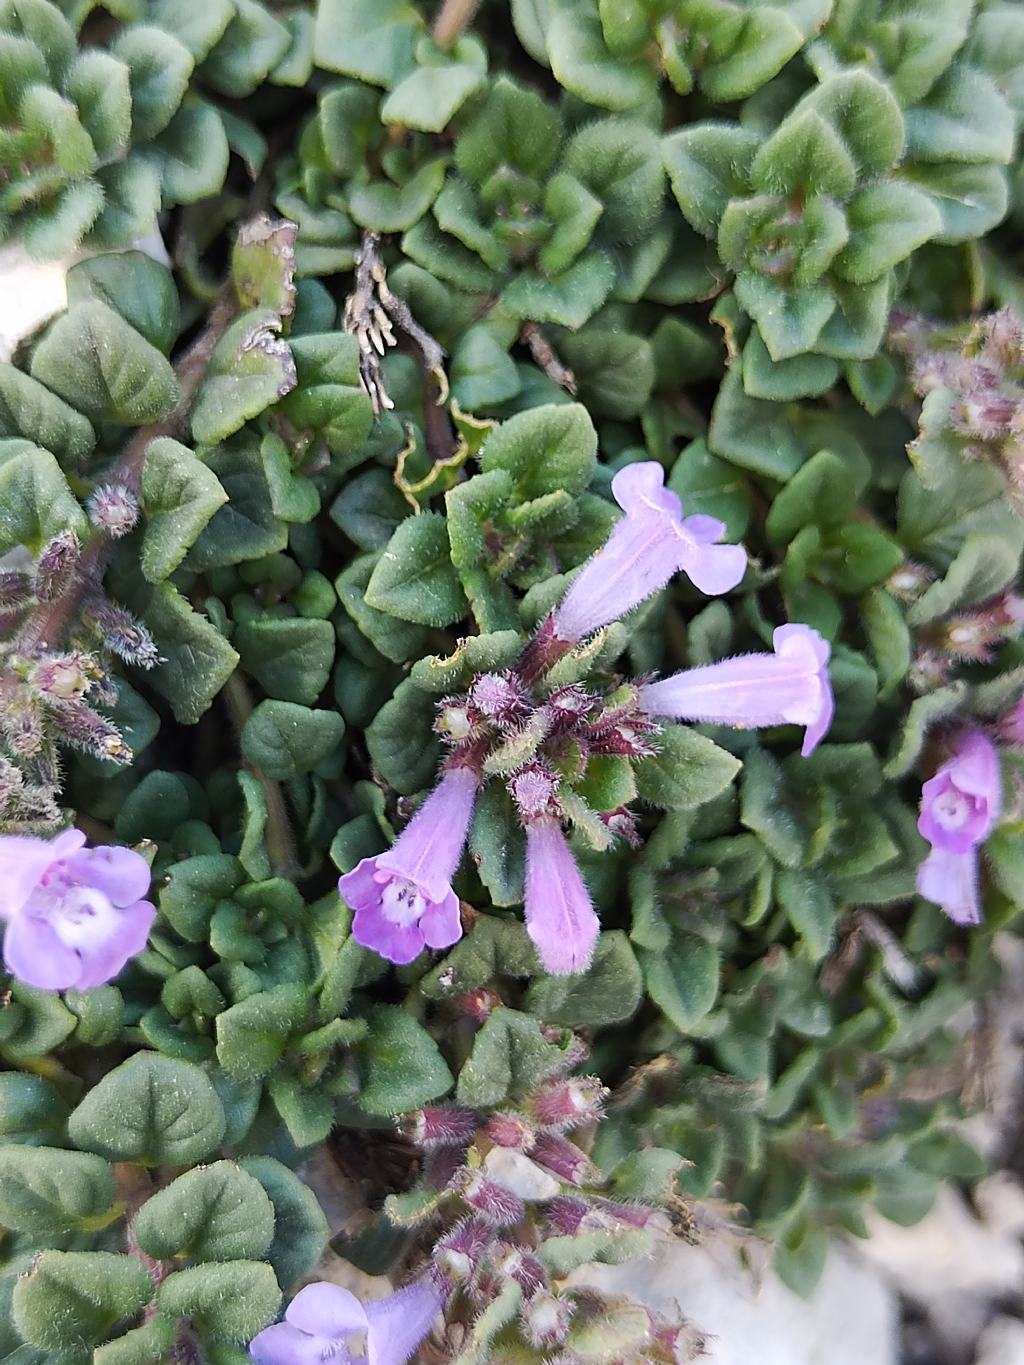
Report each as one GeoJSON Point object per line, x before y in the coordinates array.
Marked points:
{"type": "Point", "coordinates": [545, 356]}
{"type": "Point", "coordinates": [371, 313]}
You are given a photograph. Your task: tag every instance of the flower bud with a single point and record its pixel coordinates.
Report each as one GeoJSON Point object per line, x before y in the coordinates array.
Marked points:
{"type": "Point", "coordinates": [459, 1251]}
{"type": "Point", "coordinates": [508, 1129]}
{"type": "Point", "coordinates": [127, 638]}
{"type": "Point", "coordinates": [499, 697]}
{"type": "Point", "coordinates": [545, 1319]}
{"type": "Point", "coordinates": [569, 1103]}
{"type": "Point", "coordinates": [113, 508]}
{"type": "Point", "coordinates": [622, 824]}
{"type": "Point", "coordinates": [443, 1125]}
{"type": "Point", "coordinates": [520, 1264]}
{"type": "Point", "coordinates": [909, 581]}
{"type": "Point", "coordinates": [455, 722]}
{"type": "Point", "coordinates": [64, 677]}
{"type": "Point", "coordinates": [563, 1158]}
{"type": "Point", "coordinates": [56, 565]}
{"type": "Point", "coordinates": [479, 1004]}
{"type": "Point", "coordinates": [23, 725]}
{"type": "Point", "coordinates": [492, 1201]}
{"type": "Point", "coordinates": [566, 1214]}
{"type": "Point", "coordinates": [87, 729]}
{"type": "Point", "coordinates": [533, 791]}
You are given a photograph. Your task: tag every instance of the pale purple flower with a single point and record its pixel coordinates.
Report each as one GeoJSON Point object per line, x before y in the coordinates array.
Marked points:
{"type": "Point", "coordinates": [560, 918]}
{"type": "Point", "coordinates": [403, 899]}
{"type": "Point", "coordinates": [646, 547]}
{"type": "Point", "coordinates": [74, 915]}
{"type": "Point", "coordinates": [960, 804]}
{"type": "Point", "coordinates": [959, 808]}
{"type": "Point", "coordinates": [789, 687]}
{"type": "Point", "coordinates": [327, 1325]}
{"type": "Point", "coordinates": [951, 881]}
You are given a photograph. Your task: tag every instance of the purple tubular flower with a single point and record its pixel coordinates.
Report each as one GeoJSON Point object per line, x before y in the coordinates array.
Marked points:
{"type": "Point", "coordinates": [327, 1323]}
{"type": "Point", "coordinates": [960, 804]}
{"type": "Point", "coordinates": [789, 687]}
{"type": "Point", "coordinates": [74, 915]}
{"type": "Point", "coordinates": [647, 546]}
{"type": "Point", "coordinates": [959, 808]}
{"type": "Point", "coordinates": [559, 916]}
{"type": "Point", "coordinates": [403, 899]}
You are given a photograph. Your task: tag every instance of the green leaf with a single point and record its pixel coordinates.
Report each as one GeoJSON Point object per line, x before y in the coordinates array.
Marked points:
{"type": "Point", "coordinates": [401, 741]}
{"type": "Point", "coordinates": [373, 40]}
{"type": "Point", "coordinates": [230, 1301]}
{"type": "Point", "coordinates": [47, 1192]}
{"type": "Point", "coordinates": [289, 656]}
{"type": "Point", "coordinates": [251, 47]}
{"type": "Point", "coordinates": [682, 979]}
{"type": "Point", "coordinates": [482, 374]}
{"type": "Point", "coordinates": [191, 154]}
{"type": "Point", "coordinates": [619, 161]}
{"type": "Point", "coordinates": [889, 638]}
{"type": "Point", "coordinates": [687, 771]}
{"type": "Point", "coordinates": [263, 265]}
{"type": "Point", "coordinates": [983, 567]}
{"type": "Point", "coordinates": [252, 1035]}
{"type": "Point", "coordinates": [28, 409]}
{"type": "Point", "coordinates": [429, 96]}
{"type": "Point", "coordinates": [609, 991]}
{"type": "Point", "coordinates": [514, 127]}
{"type": "Point", "coordinates": [329, 397]}
{"type": "Point", "coordinates": [383, 207]}
{"type": "Point", "coordinates": [41, 1023]}
{"type": "Point", "coordinates": [583, 65]}
{"type": "Point", "coordinates": [545, 449]}
{"type": "Point", "coordinates": [197, 659]}
{"type": "Point", "coordinates": [159, 67]}
{"type": "Point", "coordinates": [145, 1345]}
{"type": "Point", "coordinates": [568, 299]}
{"type": "Point", "coordinates": [707, 165]}
{"type": "Point", "coordinates": [497, 845]}
{"type": "Point", "coordinates": [887, 222]}
{"type": "Point", "coordinates": [35, 501]}
{"type": "Point", "coordinates": [809, 908]}
{"type": "Point", "coordinates": [400, 1065]}
{"type": "Point", "coordinates": [246, 527]}
{"type": "Point", "coordinates": [283, 740]}
{"type": "Point", "coordinates": [104, 367]}
{"type": "Point", "coordinates": [151, 1110]}
{"type": "Point", "coordinates": [180, 494]}
{"type": "Point", "coordinates": [510, 1058]}
{"type": "Point", "coordinates": [32, 1111]}
{"type": "Point", "coordinates": [134, 285]}
{"type": "Point", "coordinates": [823, 492]}
{"type": "Point", "coordinates": [71, 1300]}
{"type": "Point", "coordinates": [300, 1228]}
{"type": "Point", "coordinates": [251, 368]}
{"type": "Point", "coordinates": [414, 578]}
{"type": "Point", "coordinates": [963, 118]}
{"type": "Point", "coordinates": [213, 1213]}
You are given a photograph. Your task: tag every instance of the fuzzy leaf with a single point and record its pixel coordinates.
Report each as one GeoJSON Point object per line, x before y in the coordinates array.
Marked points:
{"type": "Point", "coordinates": [180, 494]}
{"type": "Point", "coordinates": [212, 1213]}
{"type": "Point", "coordinates": [400, 1065]}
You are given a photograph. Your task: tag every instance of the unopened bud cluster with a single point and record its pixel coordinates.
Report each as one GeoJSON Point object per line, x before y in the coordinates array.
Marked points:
{"type": "Point", "coordinates": [982, 370]}
{"type": "Point", "coordinates": [514, 1188]}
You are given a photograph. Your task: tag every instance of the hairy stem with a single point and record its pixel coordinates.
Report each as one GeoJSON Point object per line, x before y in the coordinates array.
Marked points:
{"type": "Point", "coordinates": [45, 628]}
{"type": "Point", "coordinates": [452, 18]}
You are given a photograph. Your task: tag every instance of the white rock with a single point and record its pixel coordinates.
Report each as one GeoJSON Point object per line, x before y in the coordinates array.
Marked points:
{"type": "Point", "coordinates": [1002, 1343]}
{"type": "Point", "coordinates": [951, 1265]}
{"type": "Point", "coordinates": [852, 1318]}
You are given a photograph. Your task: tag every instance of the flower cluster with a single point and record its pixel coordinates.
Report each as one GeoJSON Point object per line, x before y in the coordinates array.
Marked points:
{"type": "Point", "coordinates": [959, 808]}
{"type": "Point", "coordinates": [538, 735]}
{"type": "Point", "coordinates": [74, 915]}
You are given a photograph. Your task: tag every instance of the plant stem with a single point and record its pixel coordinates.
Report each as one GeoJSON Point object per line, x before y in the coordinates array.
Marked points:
{"type": "Point", "coordinates": [47, 624]}
{"type": "Point", "coordinates": [280, 841]}
{"type": "Point", "coordinates": [453, 17]}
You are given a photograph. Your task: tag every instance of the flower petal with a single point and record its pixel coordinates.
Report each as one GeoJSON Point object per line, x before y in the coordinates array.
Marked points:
{"type": "Point", "coordinates": [399, 1323]}
{"type": "Point", "coordinates": [130, 935]}
{"type": "Point", "coordinates": [121, 874]}
{"type": "Point", "coordinates": [283, 1344]}
{"type": "Point", "coordinates": [951, 881]}
{"type": "Point", "coordinates": [399, 943]}
{"type": "Point", "coordinates": [326, 1310]}
{"type": "Point", "coordinates": [24, 860]}
{"type": "Point", "coordinates": [429, 849]}
{"type": "Point", "coordinates": [34, 954]}
{"type": "Point", "coordinates": [441, 923]}
{"type": "Point", "coordinates": [360, 887]}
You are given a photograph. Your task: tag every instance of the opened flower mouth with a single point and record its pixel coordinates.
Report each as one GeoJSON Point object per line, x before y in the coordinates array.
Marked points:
{"type": "Point", "coordinates": [74, 915]}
